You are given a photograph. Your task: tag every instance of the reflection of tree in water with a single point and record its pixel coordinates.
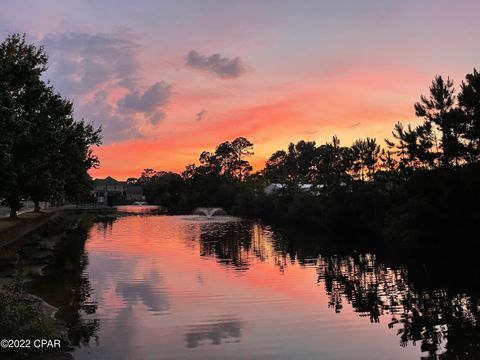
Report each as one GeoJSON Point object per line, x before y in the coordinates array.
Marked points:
{"type": "Point", "coordinates": [226, 330]}
{"type": "Point", "coordinates": [105, 226]}
{"type": "Point", "coordinates": [66, 286]}
{"type": "Point", "coordinates": [229, 243]}
{"type": "Point", "coordinates": [445, 325]}
{"type": "Point", "coordinates": [237, 244]}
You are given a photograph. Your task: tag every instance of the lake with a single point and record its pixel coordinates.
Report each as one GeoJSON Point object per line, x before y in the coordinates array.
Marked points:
{"type": "Point", "coordinates": [187, 287]}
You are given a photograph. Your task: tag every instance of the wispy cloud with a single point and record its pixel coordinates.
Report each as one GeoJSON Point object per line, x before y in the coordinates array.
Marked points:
{"type": "Point", "coordinates": [200, 115]}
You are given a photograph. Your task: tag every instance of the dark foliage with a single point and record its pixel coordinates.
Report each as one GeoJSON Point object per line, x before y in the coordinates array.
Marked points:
{"type": "Point", "coordinates": [44, 152]}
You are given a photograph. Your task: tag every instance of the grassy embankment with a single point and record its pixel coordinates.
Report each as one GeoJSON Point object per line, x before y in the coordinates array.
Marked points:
{"type": "Point", "coordinates": [27, 247]}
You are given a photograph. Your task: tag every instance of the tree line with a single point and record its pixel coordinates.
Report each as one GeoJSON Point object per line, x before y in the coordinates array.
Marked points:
{"type": "Point", "coordinates": [44, 152]}
{"type": "Point", "coordinates": [448, 137]}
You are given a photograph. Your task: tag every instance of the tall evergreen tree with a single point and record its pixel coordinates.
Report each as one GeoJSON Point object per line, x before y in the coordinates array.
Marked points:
{"type": "Point", "coordinates": [413, 147]}
{"type": "Point", "coordinates": [332, 163]}
{"type": "Point", "coordinates": [275, 167]}
{"type": "Point", "coordinates": [365, 154]}
{"type": "Point", "coordinates": [469, 100]}
{"type": "Point", "coordinates": [442, 123]}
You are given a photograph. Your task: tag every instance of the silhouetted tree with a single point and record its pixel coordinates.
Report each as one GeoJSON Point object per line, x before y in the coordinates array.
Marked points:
{"type": "Point", "coordinates": [301, 161]}
{"type": "Point", "coordinates": [146, 176]}
{"type": "Point", "coordinates": [45, 153]}
{"type": "Point", "coordinates": [388, 162]}
{"type": "Point", "coordinates": [21, 66]}
{"type": "Point", "coordinates": [227, 161]}
{"type": "Point", "coordinates": [132, 181]}
{"type": "Point", "coordinates": [77, 140]}
{"type": "Point", "coordinates": [365, 155]}
{"type": "Point", "coordinates": [297, 164]}
{"type": "Point", "coordinates": [163, 188]}
{"type": "Point", "coordinates": [469, 100]}
{"type": "Point", "coordinates": [443, 122]}
{"type": "Point", "coordinates": [332, 163]}
{"type": "Point", "coordinates": [275, 167]}
{"type": "Point", "coordinates": [59, 151]}
{"type": "Point", "coordinates": [413, 147]}
{"type": "Point", "coordinates": [242, 148]}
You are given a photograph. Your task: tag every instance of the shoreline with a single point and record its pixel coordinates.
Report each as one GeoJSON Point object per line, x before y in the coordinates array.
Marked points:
{"type": "Point", "coordinates": [28, 246]}
{"type": "Point", "coordinates": [13, 230]}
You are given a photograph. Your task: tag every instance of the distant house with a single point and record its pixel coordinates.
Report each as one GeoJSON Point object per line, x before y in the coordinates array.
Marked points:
{"type": "Point", "coordinates": [134, 193]}
{"type": "Point", "coordinates": [306, 187]}
{"type": "Point", "coordinates": [314, 189]}
{"type": "Point", "coordinates": [107, 189]}
{"type": "Point", "coordinates": [271, 188]}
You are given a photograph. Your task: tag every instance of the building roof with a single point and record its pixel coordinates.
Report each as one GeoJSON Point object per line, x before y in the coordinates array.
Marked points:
{"type": "Point", "coordinates": [273, 187]}
{"type": "Point", "coordinates": [109, 181]}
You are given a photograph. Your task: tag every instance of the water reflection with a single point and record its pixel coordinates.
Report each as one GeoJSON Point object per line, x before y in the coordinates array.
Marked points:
{"type": "Point", "coordinates": [230, 243]}
{"type": "Point", "coordinates": [154, 300]}
{"type": "Point", "coordinates": [67, 287]}
{"type": "Point", "coordinates": [443, 323]}
{"type": "Point", "coordinates": [239, 287]}
{"type": "Point", "coordinates": [223, 330]}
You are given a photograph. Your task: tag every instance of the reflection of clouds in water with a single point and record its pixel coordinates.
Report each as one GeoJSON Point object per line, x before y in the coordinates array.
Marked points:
{"type": "Point", "coordinates": [104, 264]}
{"type": "Point", "coordinates": [119, 344]}
{"type": "Point", "coordinates": [154, 299]}
{"type": "Point", "coordinates": [147, 291]}
{"type": "Point", "coordinates": [222, 330]}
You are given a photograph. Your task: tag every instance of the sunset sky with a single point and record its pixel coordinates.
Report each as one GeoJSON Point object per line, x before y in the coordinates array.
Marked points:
{"type": "Point", "coordinates": [168, 79]}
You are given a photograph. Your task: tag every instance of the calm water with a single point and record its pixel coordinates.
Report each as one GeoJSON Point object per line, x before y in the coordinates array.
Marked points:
{"type": "Point", "coordinates": [181, 287]}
